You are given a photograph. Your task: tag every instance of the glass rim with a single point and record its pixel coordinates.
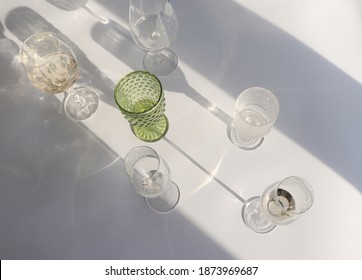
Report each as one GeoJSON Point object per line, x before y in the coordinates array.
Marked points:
{"type": "Point", "coordinates": [116, 91]}
{"type": "Point", "coordinates": [157, 157]}
{"type": "Point", "coordinates": [306, 183]}
{"type": "Point", "coordinates": [53, 54]}
{"type": "Point", "coordinates": [148, 12]}
{"type": "Point", "coordinates": [270, 93]}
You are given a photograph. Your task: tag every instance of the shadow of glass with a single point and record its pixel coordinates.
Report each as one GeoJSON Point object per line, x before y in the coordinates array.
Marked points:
{"type": "Point", "coordinates": [241, 50]}
{"type": "Point", "coordinates": [68, 5]}
{"type": "Point", "coordinates": [39, 141]}
{"type": "Point", "coordinates": [65, 195]}
{"type": "Point", "coordinates": [71, 5]}
{"type": "Point", "coordinates": [135, 231]}
{"type": "Point", "coordinates": [117, 40]}
{"type": "Point", "coordinates": [24, 22]}
{"type": "Point", "coordinates": [88, 219]}
{"type": "Point", "coordinates": [67, 214]}
{"type": "Point", "coordinates": [11, 72]}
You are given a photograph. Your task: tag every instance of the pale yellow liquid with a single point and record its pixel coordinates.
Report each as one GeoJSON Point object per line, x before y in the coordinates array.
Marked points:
{"type": "Point", "coordinates": [276, 208]}
{"type": "Point", "coordinates": [55, 76]}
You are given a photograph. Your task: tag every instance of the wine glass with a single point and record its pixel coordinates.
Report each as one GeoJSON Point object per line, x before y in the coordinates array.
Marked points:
{"type": "Point", "coordinates": [280, 204]}
{"type": "Point", "coordinates": [51, 66]}
{"type": "Point", "coordinates": [151, 178]}
{"type": "Point", "coordinates": [140, 97]}
{"type": "Point", "coordinates": [255, 112]}
{"type": "Point", "coordinates": [154, 27]}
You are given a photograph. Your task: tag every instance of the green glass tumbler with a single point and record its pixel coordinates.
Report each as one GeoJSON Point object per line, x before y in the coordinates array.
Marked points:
{"type": "Point", "coordinates": [140, 97]}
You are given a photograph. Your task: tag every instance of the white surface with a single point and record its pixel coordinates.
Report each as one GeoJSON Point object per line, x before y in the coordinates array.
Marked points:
{"type": "Point", "coordinates": [64, 193]}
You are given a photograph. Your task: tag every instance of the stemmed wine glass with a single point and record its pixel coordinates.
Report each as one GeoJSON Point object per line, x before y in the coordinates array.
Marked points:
{"type": "Point", "coordinates": [151, 178]}
{"type": "Point", "coordinates": [51, 66]}
{"type": "Point", "coordinates": [280, 204]}
{"type": "Point", "coordinates": [154, 28]}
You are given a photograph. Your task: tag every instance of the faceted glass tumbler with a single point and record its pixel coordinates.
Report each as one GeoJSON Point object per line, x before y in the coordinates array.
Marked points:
{"type": "Point", "coordinates": [140, 97]}
{"type": "Point", "coordinates": [255, 113]}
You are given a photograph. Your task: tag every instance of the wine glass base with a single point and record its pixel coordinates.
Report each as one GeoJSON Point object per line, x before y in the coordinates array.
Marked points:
{"type": "Point", "coordinates": [165, 202]}
{"type": "Point", "coordinates": [81, 103]}
{"type": "Point", "coordinates": [249, 146]}
{"type": "Point", "coordinates": [160, 63]}
{"type": "Point", "coordinates": [253, 217]}
{"type": "Point", "coordinates": [152, 132]}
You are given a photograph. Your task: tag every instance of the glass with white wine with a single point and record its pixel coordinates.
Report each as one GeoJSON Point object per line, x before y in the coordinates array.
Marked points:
{"type": "Point", "coordinates": [51, 66]}
{"type": "Point", "coordinates": [280, 204]}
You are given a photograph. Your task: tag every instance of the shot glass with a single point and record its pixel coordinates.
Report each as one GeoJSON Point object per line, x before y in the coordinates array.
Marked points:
{"type": "Point", "coordinates": [255, 113]}
{"type": "Point", "coordinates": [140, 97]}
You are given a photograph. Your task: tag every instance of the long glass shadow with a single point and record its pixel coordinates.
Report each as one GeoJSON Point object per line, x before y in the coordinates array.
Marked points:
{"type": "Point", "coordinates": [241, 50]}
{"type": "Point", "coordinates": [85, 207]}
{"type": "Point", "coordinates": [117, 40]}
{"type": "Point", "coordinates": [71, 5]}
{"type": "Point", "coordinates": [24, 22]}
{"type": "Point", "coordinates": [65, 194]}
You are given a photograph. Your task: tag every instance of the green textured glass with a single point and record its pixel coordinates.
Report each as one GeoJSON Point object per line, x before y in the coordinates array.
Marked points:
{"type": "Point", "coordinates": [140, 97]}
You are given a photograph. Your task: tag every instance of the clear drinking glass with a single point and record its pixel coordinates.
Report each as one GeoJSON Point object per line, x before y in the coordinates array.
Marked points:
{"type": "Point", "coordinates": [154, 28]}
{"type": "Point", "coordinates": [140, 97]}
{"type": "Point", "coordinates": [51, 66]}
{"type": "Point", "coordinates": [255, 113]}
{"type": "Point", "coordinates": [280, 204]}
{"type": "Point", "coordinates": [151, 178]}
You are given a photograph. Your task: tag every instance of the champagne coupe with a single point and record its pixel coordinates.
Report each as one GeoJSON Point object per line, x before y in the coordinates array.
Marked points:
{"type": "Point", "coordinates": [51, 66]}
{"type": "Point", "coordinates": [140, 97]}
{"type": "Point", "coordinates": [154, 27]}
{"type": "Point", "coordinates": [151, 178]}
{"type": "Point", "coordinates": [255, 112]}
{"type": "Point", "coordinates": [280, 204]}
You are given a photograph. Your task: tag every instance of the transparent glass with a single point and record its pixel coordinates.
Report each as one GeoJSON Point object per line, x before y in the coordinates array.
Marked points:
{"type": "Point", "coordinates": [154, 28]}
{"type": "Point", "coordinates": [255, 113]}
{"type": "Point", "coordinates": [281, 203]}
{"type": "Point", "coordinates": [51, 66]}
{"type": "Point", "coordinates": [151, 178]}
{"type": "Point", "coordinates": [140, 97]}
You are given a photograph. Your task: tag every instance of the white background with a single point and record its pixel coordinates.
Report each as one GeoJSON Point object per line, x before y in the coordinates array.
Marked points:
{"type": "Point", "coordinates": [63, 190]}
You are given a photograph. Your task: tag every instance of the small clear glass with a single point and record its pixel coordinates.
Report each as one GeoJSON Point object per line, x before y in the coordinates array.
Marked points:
{"type": "Point", "coordinates": [281, 203]}
{"type": "Point", "coordinates": [255, 113]}
{"type": "Point", "coordinates": [154, 28]}
{"type": "Point", "coordinates": [151, 178]}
